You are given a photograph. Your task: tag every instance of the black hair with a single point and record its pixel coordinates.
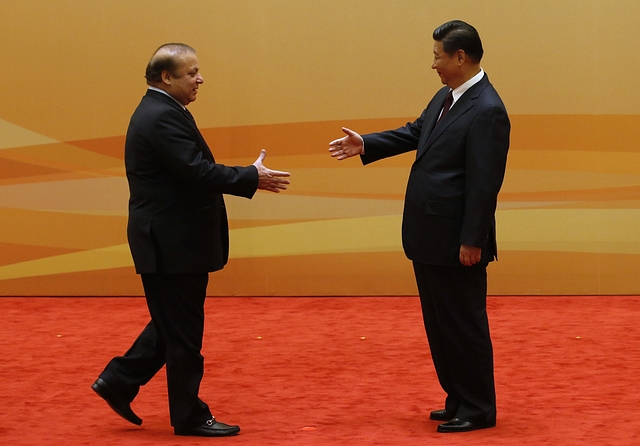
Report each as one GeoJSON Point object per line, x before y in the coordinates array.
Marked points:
{"type": "Point", "coordinates": [458, 35]}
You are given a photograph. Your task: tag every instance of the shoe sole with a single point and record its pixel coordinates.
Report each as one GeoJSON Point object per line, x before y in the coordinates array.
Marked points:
{"type": "Point", "coordinates": [230, 433]}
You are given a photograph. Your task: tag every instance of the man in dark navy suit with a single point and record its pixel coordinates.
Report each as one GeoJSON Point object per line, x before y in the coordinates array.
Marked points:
{"type": "Point", "coordinates": [461, 142]}
{"type": "Point", "coordinates": [178, 233]}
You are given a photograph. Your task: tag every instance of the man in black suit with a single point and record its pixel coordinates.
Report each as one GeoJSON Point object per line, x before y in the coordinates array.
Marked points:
{"type": "Point", "coordinates": [448, 229]}
{"type": "Point", "coordinates": [177, 233]}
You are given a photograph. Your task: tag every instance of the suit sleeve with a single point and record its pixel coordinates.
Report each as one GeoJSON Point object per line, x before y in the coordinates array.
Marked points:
{"type": "Point", "coordinates": [179, 152]}
{"type": "Point", "coordinates": [392, 142]}
{"type": "Point", "coordinates": [486, 158]}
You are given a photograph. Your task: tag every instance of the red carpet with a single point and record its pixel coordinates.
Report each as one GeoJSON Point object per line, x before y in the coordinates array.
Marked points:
{"type": "Point", "coordinates": [326, 371]}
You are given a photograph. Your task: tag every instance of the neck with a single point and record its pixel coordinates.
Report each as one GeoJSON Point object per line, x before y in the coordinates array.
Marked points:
{"type": "Point", "coordinates": [471, 72]}
{"type": "Point", "coordinates": [466, 76]}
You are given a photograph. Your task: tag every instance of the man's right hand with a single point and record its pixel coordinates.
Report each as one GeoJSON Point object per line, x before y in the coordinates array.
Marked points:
{"type": "Point", "coordinates": [270, 180]}
{"type": "Point", "coordinates": [347, 146]}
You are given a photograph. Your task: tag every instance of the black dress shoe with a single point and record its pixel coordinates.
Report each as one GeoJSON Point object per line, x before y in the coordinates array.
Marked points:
{"type": "Point", "coordinates": [211, 428]}
{"type": "Point", "coordinates": [441, 415]}
{"type": "Point", "coordinates": [116, 402]}
{"type": "Point", "coordinates": [458, 425]}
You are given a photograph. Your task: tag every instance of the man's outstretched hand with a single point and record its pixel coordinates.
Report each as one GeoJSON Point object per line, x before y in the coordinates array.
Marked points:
{"type": "Point", "coordinates": [347, 146]}
{"type": "Point", "coordinates": [270, 180]}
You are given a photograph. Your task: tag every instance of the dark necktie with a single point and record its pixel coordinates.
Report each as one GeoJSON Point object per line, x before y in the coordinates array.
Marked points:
{"type": "Point", "coordinates": [447, 105]}
{"type": "Point", "coordinates": [189, 115]}
{"type": "Point", "coordinates": [206, 148]}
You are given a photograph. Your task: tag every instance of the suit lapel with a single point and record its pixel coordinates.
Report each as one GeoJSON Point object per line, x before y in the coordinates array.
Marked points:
{"type": "Point", "coordinates": [461, 106]}
{"type": "Point", "coordinates": [204, 147]}
{"type": "Point", "coordinates": [434, 113]}
{"type": "Point", "coordinates": [202, 144]}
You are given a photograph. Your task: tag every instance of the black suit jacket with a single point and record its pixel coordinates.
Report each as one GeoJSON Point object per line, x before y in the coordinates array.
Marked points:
{"type": "Point", "coordinates": [177, 217]}
{"type": "Point", "coordinates": [454, 182]}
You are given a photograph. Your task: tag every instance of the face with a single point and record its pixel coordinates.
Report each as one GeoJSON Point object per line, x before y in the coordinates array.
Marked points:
{"type": "Point", "coordinates": [184, 86]}
{"type": "Point", "coordinates": [446, 65]}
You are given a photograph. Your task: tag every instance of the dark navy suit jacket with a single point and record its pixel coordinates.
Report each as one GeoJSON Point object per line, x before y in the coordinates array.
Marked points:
{"type": "Point", "coordinates": [454, 182]}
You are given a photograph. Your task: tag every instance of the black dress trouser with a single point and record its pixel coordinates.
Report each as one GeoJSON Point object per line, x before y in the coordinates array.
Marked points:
{"type": "Point", "coordinates": [173, 337]}
{"type": "Point", "coordinates": [453, 300]}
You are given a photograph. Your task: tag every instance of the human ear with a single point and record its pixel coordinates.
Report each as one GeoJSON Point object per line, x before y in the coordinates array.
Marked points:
{"type": "Point", "coordinates": [166, 77]}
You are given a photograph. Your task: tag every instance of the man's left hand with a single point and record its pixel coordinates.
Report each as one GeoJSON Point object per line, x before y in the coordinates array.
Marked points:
{"type": "Point", "coordinates": [470, 255]}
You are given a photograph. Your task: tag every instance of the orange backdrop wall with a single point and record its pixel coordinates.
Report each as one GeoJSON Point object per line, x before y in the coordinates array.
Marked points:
{"type": "Point", "coordinates": [286, 75]}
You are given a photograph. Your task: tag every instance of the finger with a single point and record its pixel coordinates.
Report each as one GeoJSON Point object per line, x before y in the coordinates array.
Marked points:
{"type": "Point", "coordinates": [336, 142]}
{"type": "Point", "coordinates": [276, 189]}
{"type": "Point", "coordinates": [278, 173]}
{"type": "Point", "coordinates": [274, 183]}
{"type": "Point", "coordinates": [349, 131]}
{"type": "Point", "coordinates": [263, 154]}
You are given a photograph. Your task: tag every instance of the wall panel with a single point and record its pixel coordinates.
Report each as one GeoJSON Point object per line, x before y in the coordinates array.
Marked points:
{"type": "Point", "coordinates": [286, 75]}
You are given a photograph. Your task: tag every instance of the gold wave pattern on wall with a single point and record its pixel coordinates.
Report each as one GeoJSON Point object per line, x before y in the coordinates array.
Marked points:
{"type": "Point", "coordinates": [572, 192]}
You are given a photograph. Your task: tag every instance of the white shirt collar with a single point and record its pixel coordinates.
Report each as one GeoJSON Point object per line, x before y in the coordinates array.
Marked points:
{"type": "Point", "coordinates": [457, 92]}
{"type": "Point", "coordinates": [165, 93]}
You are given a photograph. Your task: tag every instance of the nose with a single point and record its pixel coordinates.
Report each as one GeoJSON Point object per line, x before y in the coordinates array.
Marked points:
{"type": "Point", "coordinates": [200, 79]}
{"type": "Point", "coordinates": [433, 65]}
